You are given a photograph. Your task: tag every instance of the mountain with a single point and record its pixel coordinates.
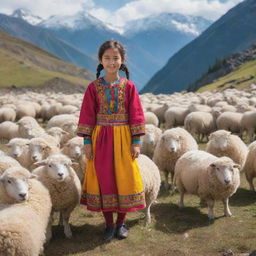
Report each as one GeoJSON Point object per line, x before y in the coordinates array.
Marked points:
{"type": "Point", "coordinates": [46, 40]}
{"type": "Point", "coordinates": [165, 33]}
{"type": "Point", "coordinates": [87, 33]}
{"type": "Point", "coordinates": [26, 15]}
{"type": "Point", "coordinates": [225, 66]}
{"type": "Point", "coordinates": [233, 32]}
{"type": "Point", "coordinates": [24, 64]}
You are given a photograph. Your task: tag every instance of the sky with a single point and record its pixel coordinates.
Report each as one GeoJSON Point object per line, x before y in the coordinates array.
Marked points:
{"type": "Point", "coordinates": [119, 12]}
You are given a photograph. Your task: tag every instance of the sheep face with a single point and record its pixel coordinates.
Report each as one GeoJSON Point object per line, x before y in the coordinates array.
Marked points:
{"type": "Point", "coordinates": [224, 171]}
{"type": "Point", "coordinates": [26, 130]}
{"type": "Point", "coordinates": [171, 143]}
{"type": "Point", "coordinates": [57, 167]}
{"type": "Point", "coordinates": [70, 127]}
{"type": "Point", "coordinates": [74, 150]}
{"type": "Point", "coordinates": [149, 137]}
{"type": "Point", "coordinates": [16, 186]}
{"type": "Point", "coordinates": [17, 150]}
{"type": "Point", "coordinates": [38, 151]}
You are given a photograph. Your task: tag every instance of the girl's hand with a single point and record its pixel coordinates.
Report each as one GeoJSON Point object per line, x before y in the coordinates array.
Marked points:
{"type": "Point", "coordinates": [135, 150]}
{"type": "Point", "coordinates": [88, 151]}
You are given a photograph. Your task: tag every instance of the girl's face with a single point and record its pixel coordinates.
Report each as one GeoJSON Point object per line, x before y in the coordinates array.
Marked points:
{"type": "Point", "coordinates": [111, 61]}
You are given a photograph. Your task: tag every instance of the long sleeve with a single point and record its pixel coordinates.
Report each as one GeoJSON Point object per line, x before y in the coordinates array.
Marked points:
{"type": "Point", "coordinates": [136, 115]}
{"type": "Point", "coordinates": [87, 119]}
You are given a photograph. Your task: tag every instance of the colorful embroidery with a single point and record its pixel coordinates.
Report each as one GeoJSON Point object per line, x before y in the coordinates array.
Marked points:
{"type": "Point", "coordinates": [116, 202]}
{"type": "Point", "coordinates": [109, 93]}
{"type": "Point", "coordinates": [84, 129]}
{"type": "Point", "coordinates": [137, 129]}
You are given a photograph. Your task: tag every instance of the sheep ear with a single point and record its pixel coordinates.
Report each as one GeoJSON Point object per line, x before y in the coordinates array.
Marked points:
{"type": "Point", "coordinates": [1, 178]}
{"type": "Point", "coordinates": [8, 145]}
{"type": "Point", "coordinates": [40, 163]}
{"type": "Point", "coordinates": [237, 166]}
{"type": "Point", "coordinates": [33, 176]}
{"type": "Point", "coordinates": [64, 132]}
{"type": "Point", "coordinates": [212, 165]}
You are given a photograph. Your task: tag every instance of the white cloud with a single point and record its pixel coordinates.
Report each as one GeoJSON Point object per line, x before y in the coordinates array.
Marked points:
{"type": "Point", "coordinates": [210, 9]}
{"type": "Point", "coordinates": [142, 8]}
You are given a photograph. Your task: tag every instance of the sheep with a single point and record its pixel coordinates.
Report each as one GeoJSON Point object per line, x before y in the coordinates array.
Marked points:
{"type": "Point", "coordinates": [200, 124]}
{"type": "Point", "coordinates": [68, 109]}
{"type": "Point", "coordinates": [39, 149]}
{"type": "Point", "coordinates": [25, 109]}
{"type": "Point", "coordinates": [13, 184]}
{"type": "Point", "coordinates": [199, 107]}
{"type": "Point", "coordinates": [151, 118]}
{"type": "Point", "coordinates": [23, 225]}
{"type": "Point", "coordinates": [207, 176]}
{"type": "Point", "coordinates": [29, 127]}
{"type": "Point", "coordinates": [250, 165]}
{"type": "Point", "coordinates": [248, 124]}
{"type": "Point", "coordinates": [6, 162]}
{"type": "Point", "coordinates": [223, 143]}
{"type": "Point", "coordinates": [9, 130]}
{"type": "Point", "coordinates": [57, 133]}
{"type": "Point", "coordinates": [60, 120]}
{"type": "Point", "coordinates": [175, 116]}
{"type": "Point", "coordinates": [58, 176]}
{"type": "Point", "coordinates": [173, 144]}
{"type": "Point", "coordinates": [151, 181]}
{"type": "Point", "coordinates": [19, 150]}
{"type": "Point", "coordinates": [150, 139]}
{"type": "Point", "coordinates": [7, 114]}
{"type": "Point", "coordinates": [229, 121]}
{"type": "Point", "coordinates": [74, 149]}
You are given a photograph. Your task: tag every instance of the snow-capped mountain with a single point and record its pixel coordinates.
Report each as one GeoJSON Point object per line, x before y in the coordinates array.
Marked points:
{"type": "Point", "coordinates": [26, 15]}
{"type": "Point", "coordinates": [171, 22]}
{"type": "Point", "coordinates": [78, 21]}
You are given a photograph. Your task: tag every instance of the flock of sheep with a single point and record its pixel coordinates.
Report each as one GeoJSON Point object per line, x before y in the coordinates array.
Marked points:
{"type": "Point", "coordinates": [42, 168]}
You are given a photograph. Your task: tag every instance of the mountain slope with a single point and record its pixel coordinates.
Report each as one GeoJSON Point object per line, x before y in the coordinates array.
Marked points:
{"type": "Point", "coordinates": [87, 33]}
{"type": "Point", "coordinates": [46, 40]}
{"type": "Point", "coordinates": [165, 33]}
{"type": "Point", "coordinates": [24, 64]}
{"type": "Point", "coordinates": [233, 32]}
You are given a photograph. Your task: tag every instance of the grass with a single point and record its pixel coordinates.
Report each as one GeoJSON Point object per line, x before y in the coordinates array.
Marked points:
{"type": "Point", "coordinates": [18, 72]}
{"type": "Point", "coordinates": [172, 232]}
{"type": "Point", "coordinates": [241, 78]}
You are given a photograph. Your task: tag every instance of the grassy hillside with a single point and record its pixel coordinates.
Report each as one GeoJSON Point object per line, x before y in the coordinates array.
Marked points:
{"type": "Point", "coordinates": [23, 64]}
{"type": "Point", "coordinates": [241, 78]}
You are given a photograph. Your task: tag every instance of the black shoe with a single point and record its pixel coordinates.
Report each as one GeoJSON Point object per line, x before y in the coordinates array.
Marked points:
{"type": "Point", "coordinates": [121, 231]}
{"type": "Point", "coordinates": [109, 233]}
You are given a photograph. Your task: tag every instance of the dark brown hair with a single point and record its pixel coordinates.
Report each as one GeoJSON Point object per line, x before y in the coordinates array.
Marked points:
{"type": "Point", "coordinates": [112, 44]}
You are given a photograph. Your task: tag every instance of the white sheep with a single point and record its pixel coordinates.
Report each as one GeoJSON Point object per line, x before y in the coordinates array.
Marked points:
{"type": "Point", "coordinates": [151, 118]}
{"type": "Point", "coordinates": [150, 139]}
{"type": "Point", "coordinates": [200, 124]}
{"type": "Point", "coordinates": [58, 133]}
{"type": "Point", "coordinates": [175, 116]}
{"type": "Point", "coordinates": [9, 130]}
{"type": "Point", "coordinates": [74, 149]}
{"type": "Point", "coordinates": [248, 124]}
{"type": "Point", "coordinates": [207, 176]}
{"type": "Point", "coordinates": [29, 127]}
{"type": "Point", "coordinates": [229, 121]}
{"type": "Point", "coordinates": [23, 225]}
{"type": "Point", "coordinates": [7, 114]}
{"type": "Point", "coordinates": [223, 143]}
{"type": "Point", "coordinates": [250, 165]}
{"type": "Point", "coordinates": [151, 182]}
{"type": "Point", "coordinates": [6, 162]}
{"type": "Point", "coordinates": [19, 150]}
{"type": "Point", "coordinates": [172, 145]}
{"type": "Point", "coordinates": [58, 176]}
{"type": "Point", "coordinates": [40, 148]}
{"type": "Point", "coordinates": [61, 120]}
{"type": "Point", "coordinates": [25, 109]}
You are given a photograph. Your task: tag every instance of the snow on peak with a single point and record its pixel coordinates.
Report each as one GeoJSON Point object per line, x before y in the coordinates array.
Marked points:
{"type": "Point", "coordinates": [169, 21]}
{"type": "Point", "coordinates": [77, 21]}
{"type": "Point", "coordinates": [26, 15]}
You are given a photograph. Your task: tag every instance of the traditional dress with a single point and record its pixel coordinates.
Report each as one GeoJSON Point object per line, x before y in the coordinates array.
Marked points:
{"type": "Point", "coordinates": [112, 116]}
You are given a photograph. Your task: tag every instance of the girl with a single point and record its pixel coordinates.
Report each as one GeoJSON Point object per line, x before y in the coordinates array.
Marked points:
{"type": "Point", "coordinates": [111, 122]}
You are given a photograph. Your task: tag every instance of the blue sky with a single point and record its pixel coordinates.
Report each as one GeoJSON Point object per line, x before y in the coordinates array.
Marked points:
{"type": "Point", "coordinates": [119, 12]}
